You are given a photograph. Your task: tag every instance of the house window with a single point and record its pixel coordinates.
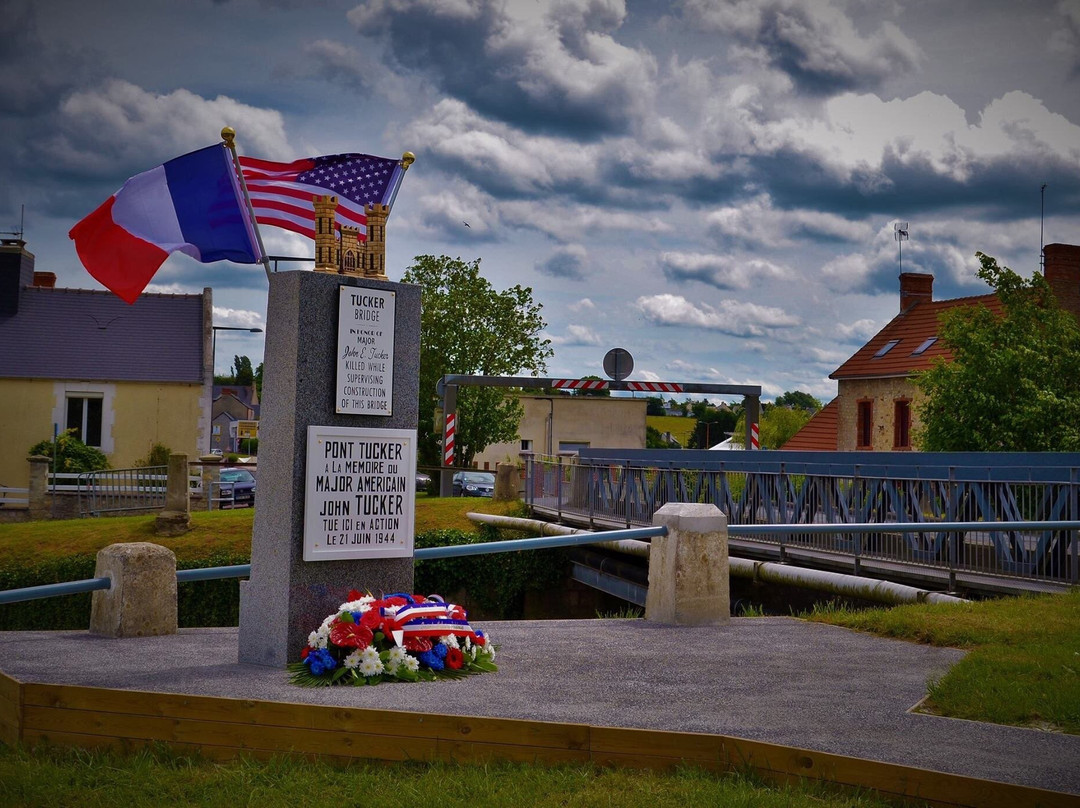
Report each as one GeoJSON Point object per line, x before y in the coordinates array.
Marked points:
{"type": "Point", "coordinates": [84, 416]}
{"type": "Point", "coordinates": [864, 425]}
{"type": "Point", "coordinates": [925, 344]}
{"type": "Point", "coordinates": [526, 445]}
{"type": "Point", "coordinates": [901, 424]}
{"type": "Point", "coordinates": [884, 349]}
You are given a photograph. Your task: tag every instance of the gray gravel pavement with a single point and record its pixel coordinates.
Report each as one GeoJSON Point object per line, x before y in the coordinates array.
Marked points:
{"type": "Point", "coordinates": [773, 679]}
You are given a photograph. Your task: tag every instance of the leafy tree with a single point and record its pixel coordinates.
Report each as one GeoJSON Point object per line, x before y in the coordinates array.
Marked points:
{"type": "Point", "coordinates": [777, 426]}
{"type": "Point", "coordinates": [72, 455]}
{"type": "Point", "coordinates": [242, 372]}
{"type": "Point", "coordinates": [654, 439]}
{"type": "Point", "coordinates": [713, 426]}
{"type": "Point", "coordinates": [1013, 384]}
{"type": "Point", "coordinates": [468, 327]}
{"type": "Point", "coordinates": [798, 400]}
{"type": "Point", "coordinates": [655, 406]}
{"type": "Point", "coordinates": [259, 380]}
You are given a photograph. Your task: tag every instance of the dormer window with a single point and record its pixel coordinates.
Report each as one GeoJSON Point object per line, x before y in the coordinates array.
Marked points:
{"type": "Point", "coordinates": [884, 349]}
{"type": "Point", "coordinates": [922, 348]}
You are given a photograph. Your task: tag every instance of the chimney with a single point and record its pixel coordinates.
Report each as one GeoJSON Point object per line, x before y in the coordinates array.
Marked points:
{"type": "Point", "coordinates": [1061, 267]}
{"type": "Point", "coordinates": [45, 280]}
{"type": "Point", "coordinates": [915, 287]}
{"type": "Point", "coordinates": [16, 272]}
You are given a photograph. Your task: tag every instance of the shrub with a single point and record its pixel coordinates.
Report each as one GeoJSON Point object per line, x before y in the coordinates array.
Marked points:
{"type": "Point", "coordinates": [72, 455]}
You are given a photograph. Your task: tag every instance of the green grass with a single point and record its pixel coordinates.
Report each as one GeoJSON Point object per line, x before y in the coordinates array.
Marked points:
{"type": "Point", "coordinates": [212, 531]}
{"type": "Point", "coordinates": [1023, 665]}
{"type": "Point", "coordinates": [681, 428]}
{"type": "Point", "coordinates": [155, 777]}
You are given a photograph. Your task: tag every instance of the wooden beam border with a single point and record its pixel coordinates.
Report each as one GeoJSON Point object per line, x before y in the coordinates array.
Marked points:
{"type": "Point", "coordinates": [224, 729]}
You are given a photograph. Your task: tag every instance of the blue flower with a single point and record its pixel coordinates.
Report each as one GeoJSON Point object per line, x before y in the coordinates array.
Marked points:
{"type": "Point", "coordinates": [320, 662]}
{"type": "Point", "coordinates": [440, 650]}
{"type": "Point", "coordinates": [431, 660]}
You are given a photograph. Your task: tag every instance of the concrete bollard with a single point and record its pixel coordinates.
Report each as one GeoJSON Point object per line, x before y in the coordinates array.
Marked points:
{"type": "Point", "coordinates": [175, 520]}
{"type": "Point", "coordinates": [142, 599]}
{"type": "Point", "coordinates": [39, 499]}
{"type": "Point", "coordinates": [688, 568]}
{"type": "Point", "coordinates": [506, 481]}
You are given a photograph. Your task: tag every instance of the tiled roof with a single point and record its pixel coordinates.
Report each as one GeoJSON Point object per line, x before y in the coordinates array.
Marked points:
{"type": "Point", "coordinates": [820, 432]}
{"type": "Point", "coordinates": [95, 336]}
{"type": "Point", "coordinates": [910, 329]}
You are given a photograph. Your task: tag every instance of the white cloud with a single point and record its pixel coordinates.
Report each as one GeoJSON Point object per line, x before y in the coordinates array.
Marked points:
{"type": "Point", "coordinates": [721, 271]}
{"type": "Point", "coordinates": [121, 125]}
{"type": "Point", "coordinates": [577, 335]}
{"type": "Point", "coordinates": [728, 317]}
{"type": "Point", "coordinates": [240, 318]}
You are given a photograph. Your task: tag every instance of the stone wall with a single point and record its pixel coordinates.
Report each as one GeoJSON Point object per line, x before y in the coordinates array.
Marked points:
{"type": "Point", "coordinates": [883, 393]}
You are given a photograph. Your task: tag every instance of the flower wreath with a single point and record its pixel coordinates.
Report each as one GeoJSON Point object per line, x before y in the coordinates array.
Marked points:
{"type": "Point", "coordinates": [399, 637]}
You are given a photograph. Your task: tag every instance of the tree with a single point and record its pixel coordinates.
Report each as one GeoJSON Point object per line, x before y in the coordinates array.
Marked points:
{"type": "Point", "coordinates": [259, 380]}
{"type": "Point", "coordinates": [242, 375]}
{"type": "Point", "coordinates": [798, 400]}
{"type": "Point", "coordinates": [777, 426]}
{"type": "Point", "coordinates": [655, 406]}
{"type": "Point", "coordinates": [713, 425]}
{"type": "Point", "coordinates": [1013, 384]}
{"type": "Point", "coordinates": [468, 327]}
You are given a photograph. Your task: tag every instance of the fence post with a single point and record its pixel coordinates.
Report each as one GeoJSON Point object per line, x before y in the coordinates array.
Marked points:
{"type": "Point", "coordinates": [211, 476]}
{"type": "Point", "coordinates": [141, 600]}
{"type": "Point", "coordinates": [175, 520]}
{"type": "Point", "coordinates": [38, 496]}
{"type": "Point", "coordinates": [689, 567]}
{"type": "Point", "coordinates": [558, 487]}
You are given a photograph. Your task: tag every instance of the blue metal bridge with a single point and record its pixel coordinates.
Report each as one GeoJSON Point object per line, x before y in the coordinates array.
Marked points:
{"type": "Point", "coordinates": [996, 495]}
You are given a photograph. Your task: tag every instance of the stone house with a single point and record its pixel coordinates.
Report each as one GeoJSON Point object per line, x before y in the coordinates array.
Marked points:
{"type": "Point", "coordinates": [876, 407]}
{"type": "Point", "coordinates": [125, 377]}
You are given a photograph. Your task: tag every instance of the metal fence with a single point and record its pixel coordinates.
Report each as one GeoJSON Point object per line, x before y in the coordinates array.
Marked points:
{"type": "Point", "coordinates": [118, 490]}
{"type": "Point", "coordinates": [627, 491]}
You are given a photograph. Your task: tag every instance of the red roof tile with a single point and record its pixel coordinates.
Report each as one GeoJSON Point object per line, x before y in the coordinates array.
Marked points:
{"type": "Point", "coordinates": [820, 432]}
{"type": "Point", "coordinates": [910, 329]}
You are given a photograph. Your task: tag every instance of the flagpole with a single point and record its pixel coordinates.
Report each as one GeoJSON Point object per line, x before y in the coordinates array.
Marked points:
{"type": "Point", "coordinates": [228, 134]}
{"type": "Point", "coordinates": [406, 160]}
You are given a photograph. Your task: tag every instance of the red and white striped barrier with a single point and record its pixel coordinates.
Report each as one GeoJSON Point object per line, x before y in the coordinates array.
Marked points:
{"type": "Point", "coordinates": [655, 387]}
{"type": "Point", "coordinates": [580, 384]}
{"type": "Point", "coordinates": [755, 443]}
{"type": "Point", "coordinates": [448, 441]}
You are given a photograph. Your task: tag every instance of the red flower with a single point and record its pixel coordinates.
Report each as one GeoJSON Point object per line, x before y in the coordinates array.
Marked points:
{"type": "Point", "coordinates": [372, 619]}
{"type": "Point", "coordinates": [395, 600]}
{"type": "Point", "coordinates": [354, 595]}
{"type": "Point", "coordinates": [418, 599]}
{"type": "Point", "coordinates": [351, 635]}
{"type": "Point", "coordinates": [305, 652]}
{"type": "Point", "coordinates": [454, 658]}
{"type": "Point", "coordinates": [417, 644]}
{"type": "Point", "coordinates": [457, 612]}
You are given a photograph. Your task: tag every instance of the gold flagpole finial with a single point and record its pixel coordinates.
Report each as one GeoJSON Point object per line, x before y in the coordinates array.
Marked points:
{"type": "Point", "coordinates": [407, 159]}
{"type": "Point", "coordinates": [228, 134]}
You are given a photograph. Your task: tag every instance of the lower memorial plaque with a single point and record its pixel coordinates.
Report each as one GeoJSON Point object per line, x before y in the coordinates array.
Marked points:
{"type": "Point", "coordinates": [360, 492]}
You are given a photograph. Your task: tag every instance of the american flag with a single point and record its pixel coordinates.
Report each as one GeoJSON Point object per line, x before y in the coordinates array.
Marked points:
{"type": "Point", "coordinates": [282, 193]}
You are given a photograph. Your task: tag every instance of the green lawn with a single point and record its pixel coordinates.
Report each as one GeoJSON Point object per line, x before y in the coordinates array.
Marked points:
{"type": "Point", "coordinates": [151, 778]}
{"type": "Point", "coordinates": [1024, 662]}
{"type": "Point", "coordinates": [681, 428]}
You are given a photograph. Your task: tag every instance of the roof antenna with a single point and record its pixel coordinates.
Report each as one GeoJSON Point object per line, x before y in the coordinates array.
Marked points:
{"type": "Point", "coordinates": [1042, 213]}
{"type": "Point", "coordinates": [22, 221]}
{"type": "Point", "coordinates": [900, 233]}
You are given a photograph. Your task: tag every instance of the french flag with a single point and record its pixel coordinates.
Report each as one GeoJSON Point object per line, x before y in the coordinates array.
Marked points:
{"type": "Point", "coordinates": [192, 204]}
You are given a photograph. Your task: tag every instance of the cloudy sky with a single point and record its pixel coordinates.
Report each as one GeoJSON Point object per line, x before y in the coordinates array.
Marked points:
{"type": "Point", "coordinates": [711, 184]}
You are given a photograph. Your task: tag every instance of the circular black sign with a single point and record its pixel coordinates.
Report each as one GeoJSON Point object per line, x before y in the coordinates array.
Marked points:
{"type": "Point", "coordinates": [618, 363]}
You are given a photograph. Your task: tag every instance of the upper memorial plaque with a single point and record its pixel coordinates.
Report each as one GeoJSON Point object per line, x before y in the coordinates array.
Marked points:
{"type": "Point", "coordinates": [365, 365]}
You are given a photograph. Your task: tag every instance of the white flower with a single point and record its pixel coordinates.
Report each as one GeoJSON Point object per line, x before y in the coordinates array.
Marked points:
{"type": "Point", "coordinates": [370, 665]}
{"type": "Point", "coordinates": [390, 611]}
{"type": "Point", "coordinates": [318, 639]}
{"type": "Point", "coordinates": [412, 663]}
{"type": "Point", "coordinates": [395, 658]}
{"type": "Point", "coordinates": [362, 605]}
{"type": "Point", "coordinates": [352, 661]}
{"type": "Point", "coordinates": [469, 644]}
{"type": "Point", "coordinates": [450, 641]}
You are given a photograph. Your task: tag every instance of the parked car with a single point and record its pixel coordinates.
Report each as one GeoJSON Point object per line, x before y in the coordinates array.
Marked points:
{"type": "Point", "coordinates": [422, 481]}
{"type": "Point", "coordinates": [237, 488]}
{"type": "Point", "coordinates": [474, 484]}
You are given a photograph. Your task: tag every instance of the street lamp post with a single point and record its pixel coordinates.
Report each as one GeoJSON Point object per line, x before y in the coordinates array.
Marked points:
{"type": "Point", "coordinates": [213, 362]}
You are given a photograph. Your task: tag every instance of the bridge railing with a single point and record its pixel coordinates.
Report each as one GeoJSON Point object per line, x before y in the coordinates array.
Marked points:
{"type": "Point", "coordinates": [626, 491]}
